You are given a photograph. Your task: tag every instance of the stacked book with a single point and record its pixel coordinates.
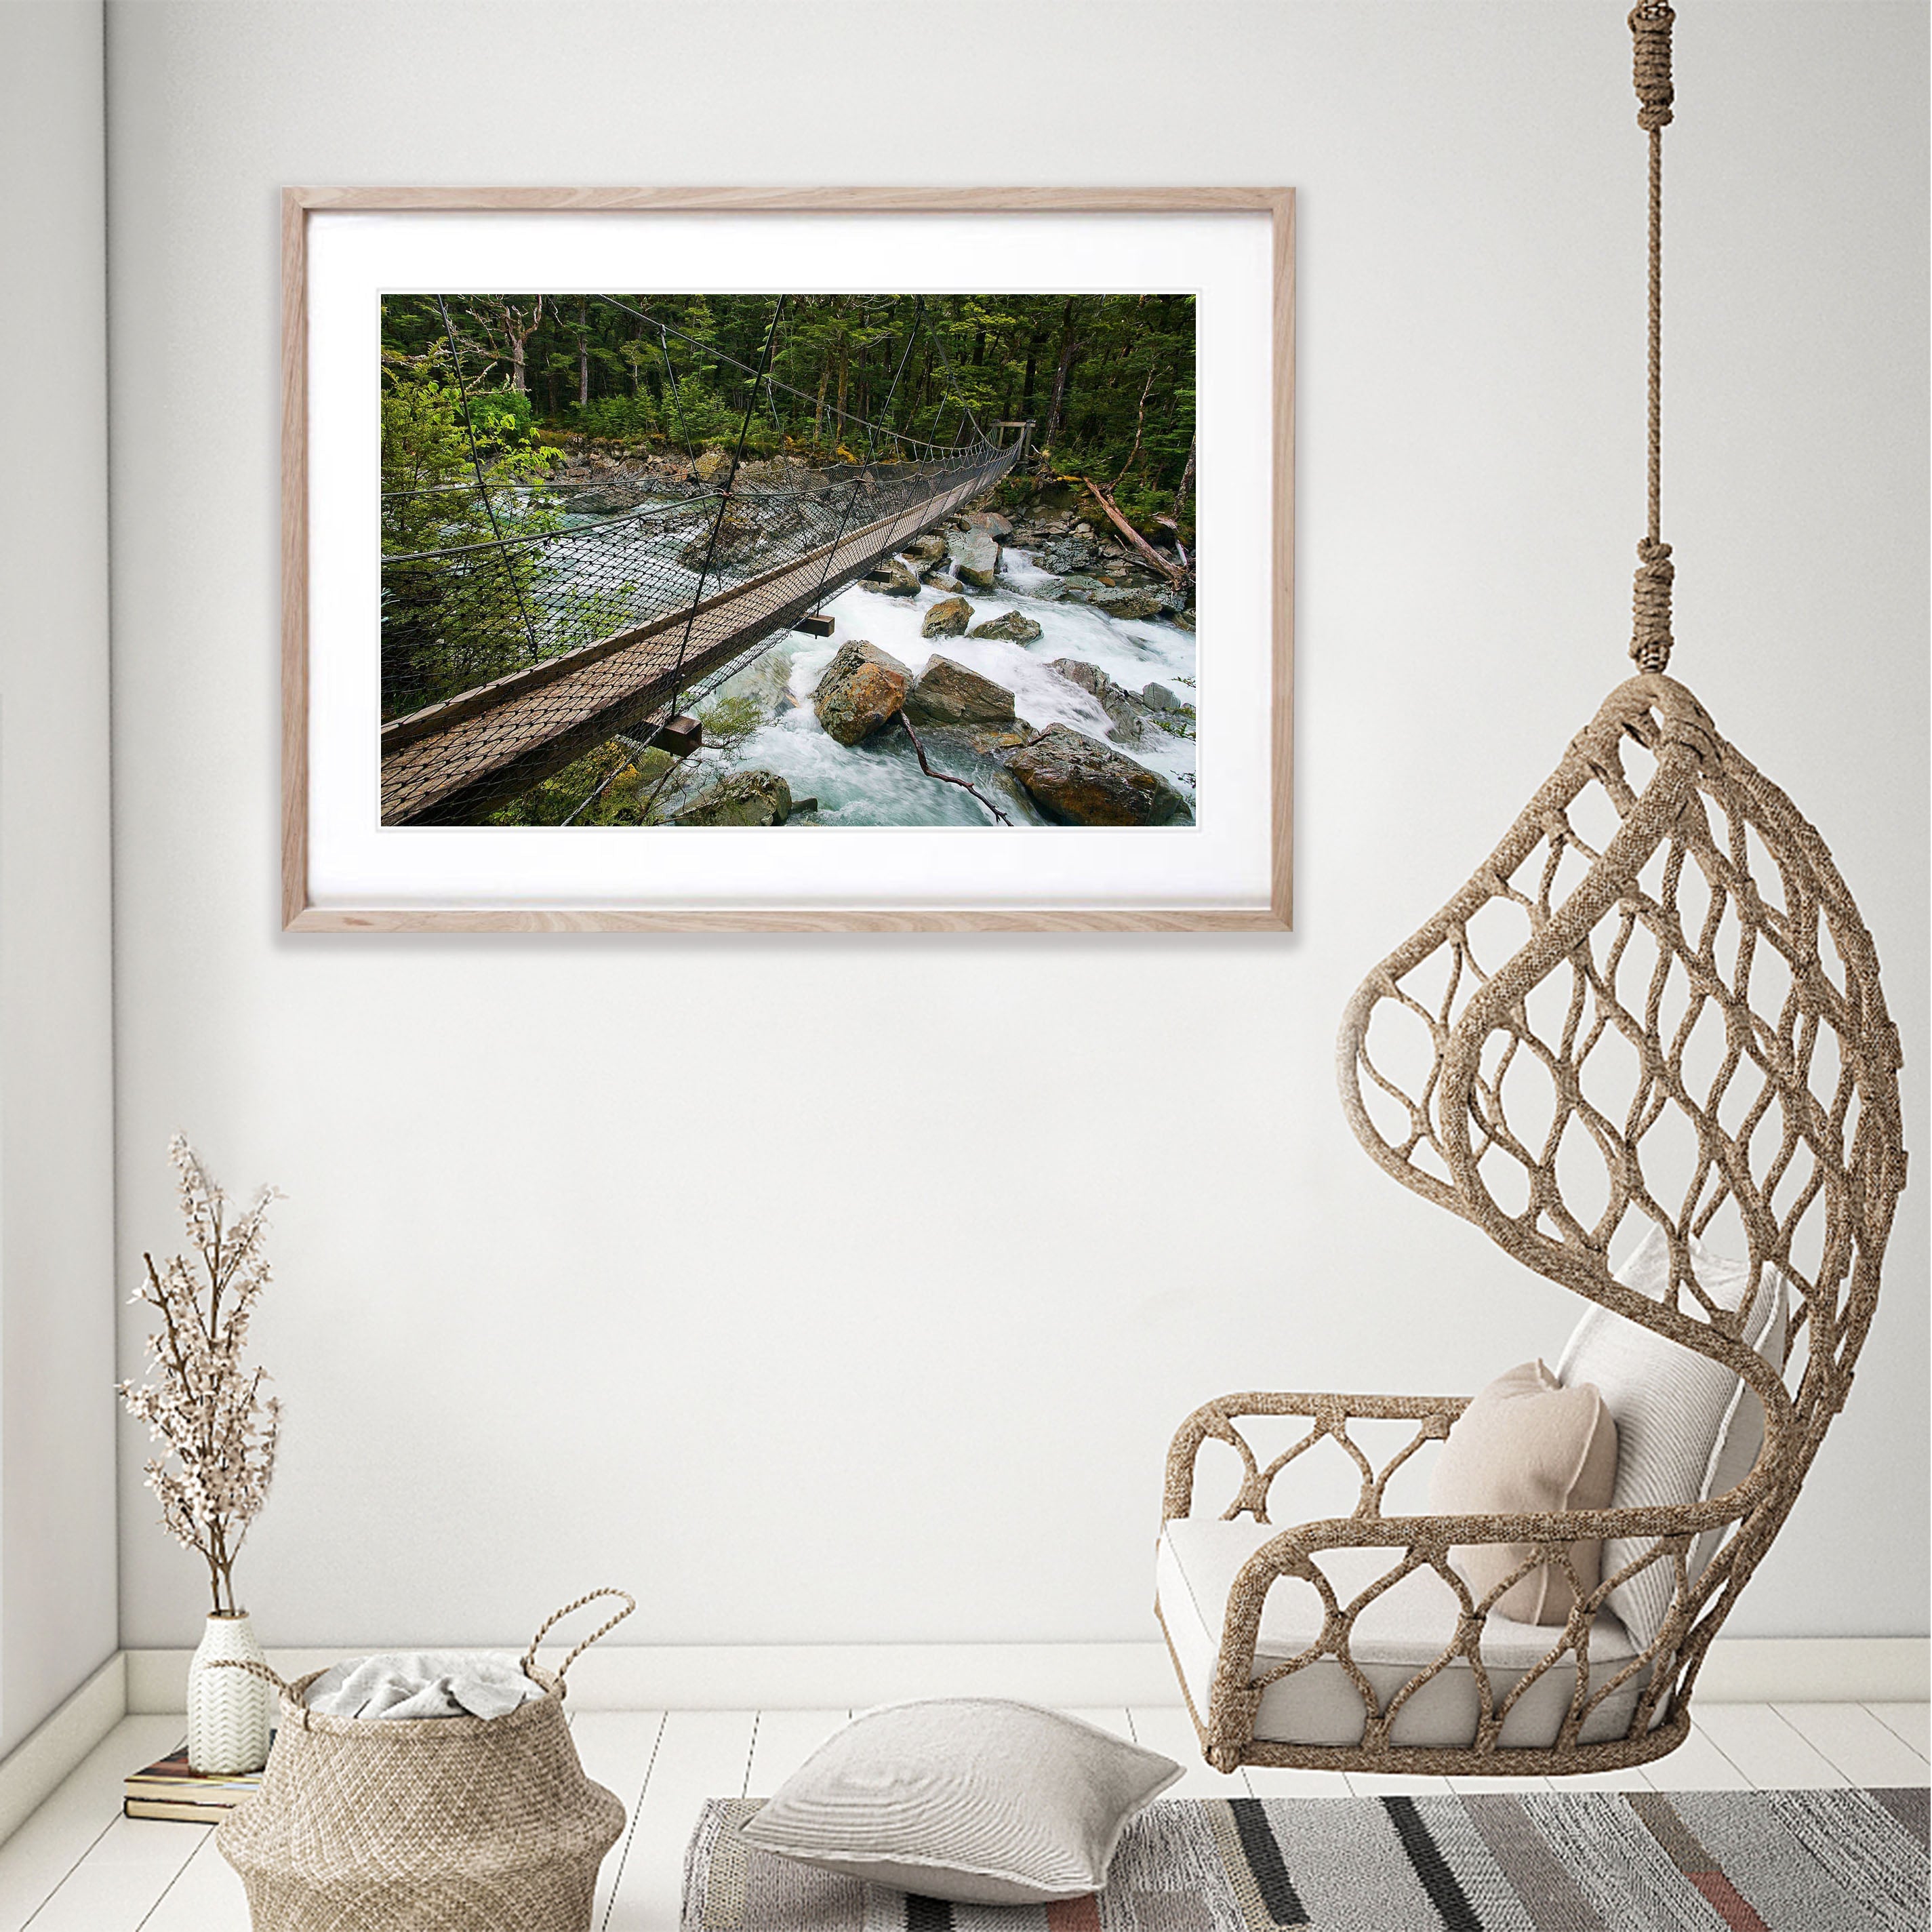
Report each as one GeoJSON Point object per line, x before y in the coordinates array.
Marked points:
{"type": "Point", "coordinates": [170, 1789]}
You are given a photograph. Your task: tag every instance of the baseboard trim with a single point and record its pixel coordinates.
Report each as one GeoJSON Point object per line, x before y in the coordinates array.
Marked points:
{"type": "Point", "coordinates": [1817, 1670]}
{"type": "Point", "coordinates": [770, 1677]}
{"type": "Point", "coordinates": [37, 1768]}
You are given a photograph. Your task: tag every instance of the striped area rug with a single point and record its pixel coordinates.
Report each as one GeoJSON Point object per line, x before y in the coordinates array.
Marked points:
{"type": "Point", "coordinates": [1565, 1861]}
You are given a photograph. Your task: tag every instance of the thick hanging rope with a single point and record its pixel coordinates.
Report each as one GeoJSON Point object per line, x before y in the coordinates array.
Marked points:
{"type": "Point", "coordinates": [1651, 639]}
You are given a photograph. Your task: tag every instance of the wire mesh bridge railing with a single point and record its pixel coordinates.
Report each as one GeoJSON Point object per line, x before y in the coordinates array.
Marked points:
{"type": "Point", "coordinates": [604, 625]}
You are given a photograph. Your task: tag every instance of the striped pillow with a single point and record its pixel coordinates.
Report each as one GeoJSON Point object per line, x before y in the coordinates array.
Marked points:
{"type": "Point", "coordinates": [1688, 1429]}
{"type": "Point", "coordinates": [971, 1800]}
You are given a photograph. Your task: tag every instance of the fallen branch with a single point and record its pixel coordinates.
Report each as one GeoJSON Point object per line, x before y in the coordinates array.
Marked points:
{"type": "Point", "coordinates": [1166, 566]}
{"type": "Point", "coordinates": [919, 752]}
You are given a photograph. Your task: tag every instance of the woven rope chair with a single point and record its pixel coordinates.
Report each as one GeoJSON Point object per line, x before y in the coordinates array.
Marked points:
{"type": "Point", "coordinates": [1655, 1005]}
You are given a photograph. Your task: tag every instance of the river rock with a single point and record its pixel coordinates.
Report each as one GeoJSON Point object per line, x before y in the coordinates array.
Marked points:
{"type": "Point", "coordinates": [740, 536]}
{"type": "Point", "coordinates": [975, 558]}
{"type": "Point", "coordinates": [741, 798]}
{"type": "Point", "coordinates": [1015, 627]}
{"type": "Point", "coordinates": [928, 549]}
{"type": "Point", "coordinates": [948, 618]}
{"type": "Point", "coordinates": [899, 580]}
{"type": "Point", "coordinates": [949, 694]}
{"type": "Point", "coordinates": [1120, 705]}
{"type": "Point", "coordinates": [1075, 589]}
{"type": "Point", "coordinates": [1158, 697]}
{"type": "Point", "coordinates": [995, 526]}
{"type": "Point", "coordinates": [863, 690]}
{"type": "Point", "coordinates": [940, 579]}
{"type": "Point", "coordinates": [1069, 555]}
{"type": "Point", "coordinates": [713, 467]}
{"type": "Point", "coordinates": [1076, 780]}
{"type": "Point", "coordinates": [1127, 603]}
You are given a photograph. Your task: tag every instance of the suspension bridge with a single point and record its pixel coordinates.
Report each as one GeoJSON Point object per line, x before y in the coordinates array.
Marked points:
{"type": "Point", "coordinates": [609, 621]}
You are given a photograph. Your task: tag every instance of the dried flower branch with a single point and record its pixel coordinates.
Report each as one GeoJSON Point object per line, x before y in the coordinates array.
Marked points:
{"type": "Point", "coordinates": [219, 1430]}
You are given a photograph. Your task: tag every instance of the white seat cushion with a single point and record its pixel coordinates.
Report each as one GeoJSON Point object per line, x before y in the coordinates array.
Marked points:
{"type": "Point", "coordinates": [1402, 1631]}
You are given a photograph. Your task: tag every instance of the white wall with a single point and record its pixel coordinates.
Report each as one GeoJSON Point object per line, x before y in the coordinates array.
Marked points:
{"type": "Point", "coordinates": [849, 1288]}
{"type": "Point", "coordinates": [57, 1503]}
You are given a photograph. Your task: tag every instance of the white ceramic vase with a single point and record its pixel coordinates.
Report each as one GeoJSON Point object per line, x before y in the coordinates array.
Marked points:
{"type": "Point", "coordinates": [229, 1712]}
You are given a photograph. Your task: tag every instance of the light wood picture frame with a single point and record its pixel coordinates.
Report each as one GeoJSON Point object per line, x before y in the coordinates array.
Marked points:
{"type": "Point", "coordinates": [331, 621]}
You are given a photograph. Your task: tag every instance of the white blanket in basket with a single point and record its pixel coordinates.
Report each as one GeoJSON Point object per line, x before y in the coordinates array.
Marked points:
{"type": "Point", "coordinates": [421, 1683]}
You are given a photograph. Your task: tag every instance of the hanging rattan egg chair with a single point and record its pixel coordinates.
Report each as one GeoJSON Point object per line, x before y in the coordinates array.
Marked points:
{"type": "Point", "coordinates": [1654, 1010]}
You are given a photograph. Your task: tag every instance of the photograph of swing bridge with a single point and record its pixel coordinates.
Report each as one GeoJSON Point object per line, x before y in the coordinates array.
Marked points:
{"type": "Point", "coordinates": [766, 560]}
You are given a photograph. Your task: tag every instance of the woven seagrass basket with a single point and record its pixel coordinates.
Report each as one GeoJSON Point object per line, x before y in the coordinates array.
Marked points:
{"type": "Point", "coordinates": [436, 1824]}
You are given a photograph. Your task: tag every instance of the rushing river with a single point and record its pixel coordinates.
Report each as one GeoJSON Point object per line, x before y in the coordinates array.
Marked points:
{"type": "Point", "coordinates": [879, 782]}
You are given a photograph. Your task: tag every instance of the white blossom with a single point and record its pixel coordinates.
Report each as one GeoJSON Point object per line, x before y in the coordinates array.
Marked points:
{"type": "Point", "coordinates": [219, 1430]}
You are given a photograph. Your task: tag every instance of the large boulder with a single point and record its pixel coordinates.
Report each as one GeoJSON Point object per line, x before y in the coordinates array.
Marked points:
{"type": "Point", "coordinates": [1127, 604]}
{"type": "Point", "coordinates": [1014, 627]}
{"type": "Point", "coordinates": [928, 549]}
{"type": "Point", "coordinates": [863, 690]}
{"type": "Point", "coordinates": [948, 618]}
{"type": "Point", "coordinates": [896, 579]}
{"type": "Point", "coordinates": [940, 578]}
{"type": "Point", "coordinates": [975, 558]}
{"type": "Point", "coordinates": [995, 526]}
{"type": "Point", "coordinates": [949, 694]}
{"type": "Point", "coordinates": [1076, 780]}
{"type": "Point", "coordinates": [713, 467]}
{"type": "Point", "coordinates": [1126, 711]}
{"type": "Point", "coordinates": [740, 798]}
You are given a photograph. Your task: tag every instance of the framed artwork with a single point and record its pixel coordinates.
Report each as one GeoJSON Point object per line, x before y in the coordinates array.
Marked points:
{"type": "Point", "coordinates": [789, 559]}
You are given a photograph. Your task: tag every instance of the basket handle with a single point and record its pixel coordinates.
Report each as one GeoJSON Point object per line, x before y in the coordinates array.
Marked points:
{"type": "Point", "coordinates": [253, 1669]}
{"type": "Point", "coordinates": [630, 1603]}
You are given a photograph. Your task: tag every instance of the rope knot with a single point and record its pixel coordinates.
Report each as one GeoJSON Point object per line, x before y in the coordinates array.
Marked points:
{"type": "Point", "coordinates": [1650, 24]}
{"type": "Point", "coordinates": [1651, 639]}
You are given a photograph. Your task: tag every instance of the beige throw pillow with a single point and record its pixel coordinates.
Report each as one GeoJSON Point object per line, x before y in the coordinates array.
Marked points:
{"type": "Point", "coordinates": [1527, 1445]}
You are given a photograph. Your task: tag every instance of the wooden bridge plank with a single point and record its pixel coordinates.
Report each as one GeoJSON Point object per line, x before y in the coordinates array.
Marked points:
{"type": "Point", "coordinates": [472, 757]}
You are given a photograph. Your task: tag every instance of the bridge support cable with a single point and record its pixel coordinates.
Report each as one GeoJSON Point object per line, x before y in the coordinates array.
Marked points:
{"type": "Point", "coordinates": [676, 401]}
{"type": "Point", "coordinates": [724, 502]}
{"type": "Point", "coordinates": [843, 416]}
{"type": "Point", "coordinates": [482, 487]}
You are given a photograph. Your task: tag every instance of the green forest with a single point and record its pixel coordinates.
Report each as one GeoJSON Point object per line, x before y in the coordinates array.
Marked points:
{"type": "Point", "coordinates": [1107, 382]}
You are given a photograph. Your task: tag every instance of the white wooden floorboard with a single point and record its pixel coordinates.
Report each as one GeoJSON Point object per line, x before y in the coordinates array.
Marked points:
{"type": "Point", "coordinates": [783, 1740]}
{"type": "Point", "coordinates": [1168, 1729]}
{"type": "Point", "coordinates": [1395, 1784]}
{"type": "Point", "coordinates": [1766, 1749]}
{"type": "Point", "coordinates": [58, 1834]}
{"type": "Point", "coordinates": [1634, 1778]}
{"type": "Point", "coordinates": [616, 1748]}
{"type": "Point", "coordinates": [1275, 1780]}
{"type": "Point", "coordinates": [205, 1896]}
{"type": "Point", "coordinates": [1855, 1743]}
{"type": "Point", "coordinates": [701, 1754]}
{"type": "Point", "coordinates": [126, 1870]}
{"type": "Point", "coordinates": [1696, 1765]}
{"type": "Point", "coordinates": [1911, 1722]}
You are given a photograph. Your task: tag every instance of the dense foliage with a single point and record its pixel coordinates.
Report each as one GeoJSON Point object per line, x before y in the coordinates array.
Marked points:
{"type": "Point", "coordinates": [1108, 381]}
